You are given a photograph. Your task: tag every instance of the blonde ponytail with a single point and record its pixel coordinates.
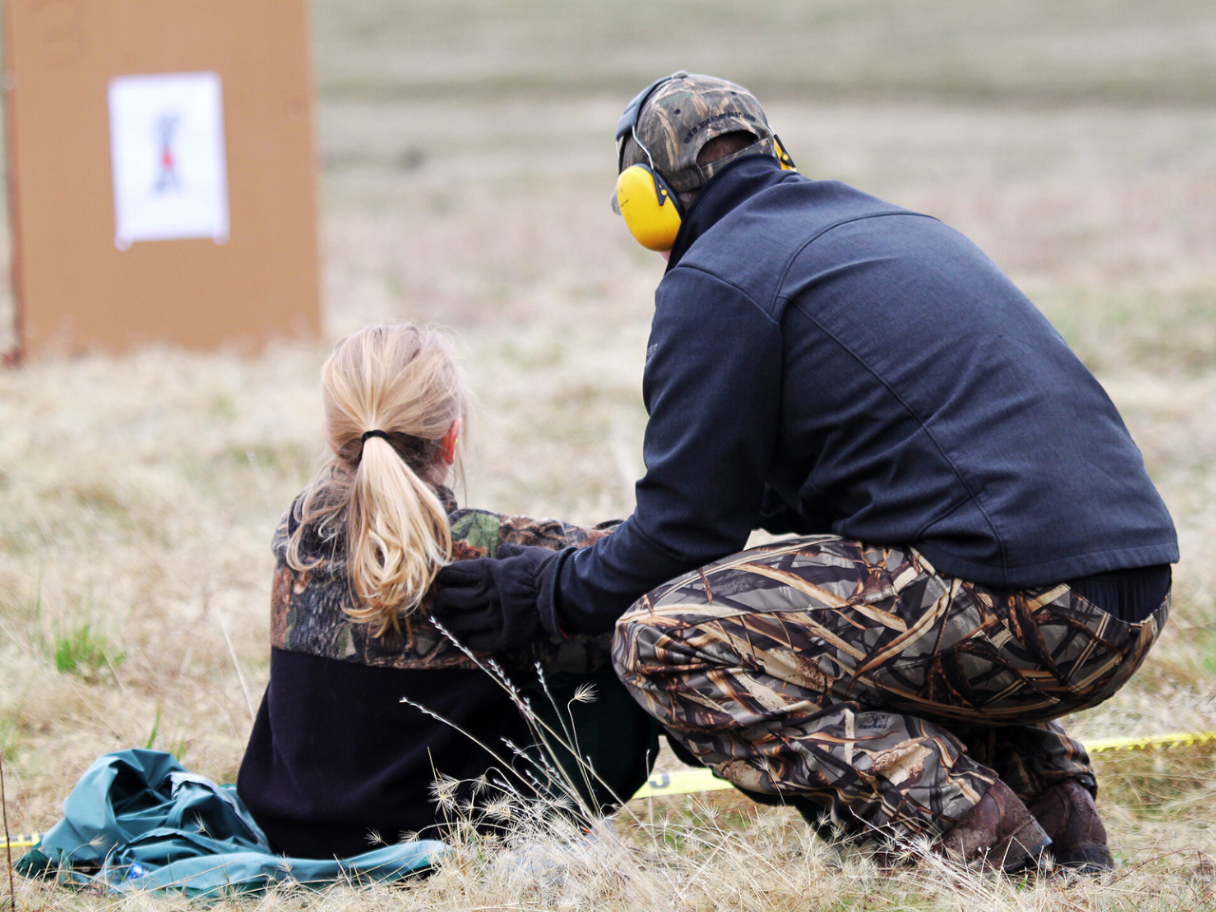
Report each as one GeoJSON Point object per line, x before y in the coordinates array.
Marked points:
{"type": "Point", "coordinates": [377, 492]}
{"type": "Point", "coordinates": [398, 536]}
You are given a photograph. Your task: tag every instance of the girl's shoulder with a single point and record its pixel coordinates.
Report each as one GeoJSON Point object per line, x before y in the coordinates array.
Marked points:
{"type": "Point", "coordinates": [475, 533]}
{"type": "Point", "coordinates": [478, 533]}
{"type": "Point", "coordinates": [320, 546]}
{"type": "Point", "coordinates": [308, 606]}
{"type": "Point", "coordinates": [309, 601]}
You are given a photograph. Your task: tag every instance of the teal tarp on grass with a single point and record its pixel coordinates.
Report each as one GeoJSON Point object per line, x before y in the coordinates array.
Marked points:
{"type": "Point", "coordinates": [137, 820]}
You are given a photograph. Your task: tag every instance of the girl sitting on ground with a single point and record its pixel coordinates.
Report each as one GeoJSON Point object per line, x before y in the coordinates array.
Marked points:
{"type": "Point", "coordinates": [337, 759]}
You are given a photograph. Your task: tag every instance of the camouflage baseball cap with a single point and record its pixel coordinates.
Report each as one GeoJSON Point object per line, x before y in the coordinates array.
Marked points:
{"type": "Point", "coordinates": [669, 122]}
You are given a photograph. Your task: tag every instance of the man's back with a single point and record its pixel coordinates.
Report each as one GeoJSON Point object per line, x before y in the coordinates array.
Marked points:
{"type": "Point", "coordinates": [923, 398]}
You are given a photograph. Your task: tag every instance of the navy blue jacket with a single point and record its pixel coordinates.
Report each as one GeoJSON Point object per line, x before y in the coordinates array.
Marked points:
{"type": "Point", "coordinates": [823, 362]}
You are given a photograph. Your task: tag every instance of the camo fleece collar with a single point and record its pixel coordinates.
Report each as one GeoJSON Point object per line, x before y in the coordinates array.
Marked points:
{"type": "Point", "coordinates": [308, 607]}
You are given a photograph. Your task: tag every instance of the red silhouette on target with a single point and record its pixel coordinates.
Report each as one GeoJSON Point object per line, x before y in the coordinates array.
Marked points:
{"type": "Point", "coordinates": [166, 179]}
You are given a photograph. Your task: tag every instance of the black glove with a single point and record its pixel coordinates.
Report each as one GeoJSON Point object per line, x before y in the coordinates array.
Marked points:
{"type": "Point", "coordinates": [490, 604]}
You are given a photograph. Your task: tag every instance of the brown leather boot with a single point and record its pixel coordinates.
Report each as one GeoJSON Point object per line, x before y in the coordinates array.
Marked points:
{"type": "Point", "coordinates": [998, 834]}
{"type": "Point", "coordinates": [1067, 812]}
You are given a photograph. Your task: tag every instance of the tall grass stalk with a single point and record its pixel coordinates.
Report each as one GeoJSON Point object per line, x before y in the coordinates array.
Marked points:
{"type": "Point", "coordinates": [8, 847]}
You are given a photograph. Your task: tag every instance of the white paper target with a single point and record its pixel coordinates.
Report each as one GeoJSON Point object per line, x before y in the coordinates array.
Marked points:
{"type": "Point", "coordinates": [167, 156]}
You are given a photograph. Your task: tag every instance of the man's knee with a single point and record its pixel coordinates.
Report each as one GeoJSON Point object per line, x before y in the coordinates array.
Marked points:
{"type": "Point", "coordinates": [633, 647]}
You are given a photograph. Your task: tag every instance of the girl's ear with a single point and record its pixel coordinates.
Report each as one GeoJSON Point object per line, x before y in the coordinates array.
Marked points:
{"type": "Point", "coordinates": [447, 446]}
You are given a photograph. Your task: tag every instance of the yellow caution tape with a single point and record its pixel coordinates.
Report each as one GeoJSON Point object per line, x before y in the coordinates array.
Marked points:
{"type": "Point", "coordinates": [26, 841]}
{"type": "Point", "coordinates": [682, 782]}
{"type": "Point", "coordinates": [1101, 745]}
{"type": "Point", "coordinates": [687, 781]}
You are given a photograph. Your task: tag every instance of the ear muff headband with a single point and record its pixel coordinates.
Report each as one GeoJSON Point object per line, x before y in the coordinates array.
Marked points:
{"type": "Point", "coordinates": [629, 117]}
{"type": "Point", "coordinates": [650, 208]}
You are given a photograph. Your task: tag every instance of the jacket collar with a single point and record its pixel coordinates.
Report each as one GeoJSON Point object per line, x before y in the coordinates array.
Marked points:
{"type": "Point", "coordinates": [446, 497]}
{"type": "Point", "coordinates": [737, 182]}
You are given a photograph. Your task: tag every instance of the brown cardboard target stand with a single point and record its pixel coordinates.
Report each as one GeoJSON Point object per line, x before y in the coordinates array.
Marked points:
{"type": "Point", "coordinates": [162, 182]}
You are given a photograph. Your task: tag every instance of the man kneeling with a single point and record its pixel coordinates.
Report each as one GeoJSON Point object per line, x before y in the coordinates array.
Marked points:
{"type": "Point", "coordinates": [989, 553]}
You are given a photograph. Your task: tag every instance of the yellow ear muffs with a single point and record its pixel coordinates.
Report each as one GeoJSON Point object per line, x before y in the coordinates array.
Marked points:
{"type": "Point", "coordinates": [649, 207]}
{"type": "Point", "coordinates": [787, 163]}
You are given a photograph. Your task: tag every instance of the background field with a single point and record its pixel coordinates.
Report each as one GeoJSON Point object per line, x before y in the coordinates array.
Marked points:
{"type": "Point", "coordinates": [465, 154]}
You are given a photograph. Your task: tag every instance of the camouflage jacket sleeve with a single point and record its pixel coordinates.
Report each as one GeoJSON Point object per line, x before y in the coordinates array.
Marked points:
{"type": "Point", "coordinates": [308, 606]}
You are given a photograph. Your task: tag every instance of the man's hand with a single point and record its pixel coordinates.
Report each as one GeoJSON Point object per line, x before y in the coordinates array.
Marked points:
{"type": "Point", "coordinates": [490, 604]}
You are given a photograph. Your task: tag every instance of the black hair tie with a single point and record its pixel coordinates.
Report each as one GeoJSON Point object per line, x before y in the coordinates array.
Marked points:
{"type": "Point", "coordinates": [367, 434]}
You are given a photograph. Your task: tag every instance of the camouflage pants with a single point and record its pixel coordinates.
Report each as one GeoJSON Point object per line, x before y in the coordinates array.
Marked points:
{"type": "Point", "coordinates": [861, 679]}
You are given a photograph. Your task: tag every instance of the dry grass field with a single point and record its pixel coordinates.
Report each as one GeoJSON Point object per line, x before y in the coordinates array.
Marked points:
{"type": "Point", "coordinates": [466, 168]}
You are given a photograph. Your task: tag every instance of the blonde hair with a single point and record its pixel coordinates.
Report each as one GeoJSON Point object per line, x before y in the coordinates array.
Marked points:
{"type": "Point", "coordinates": [378, 493]}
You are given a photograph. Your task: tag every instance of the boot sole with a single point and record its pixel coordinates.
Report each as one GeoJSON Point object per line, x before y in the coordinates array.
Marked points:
{"type": "Point", "coordinates": [1085, 859]}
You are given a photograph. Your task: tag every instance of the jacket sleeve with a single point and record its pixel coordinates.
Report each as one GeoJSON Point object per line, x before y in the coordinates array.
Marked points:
{"type": "Point", "coordinates": [712, 388]}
